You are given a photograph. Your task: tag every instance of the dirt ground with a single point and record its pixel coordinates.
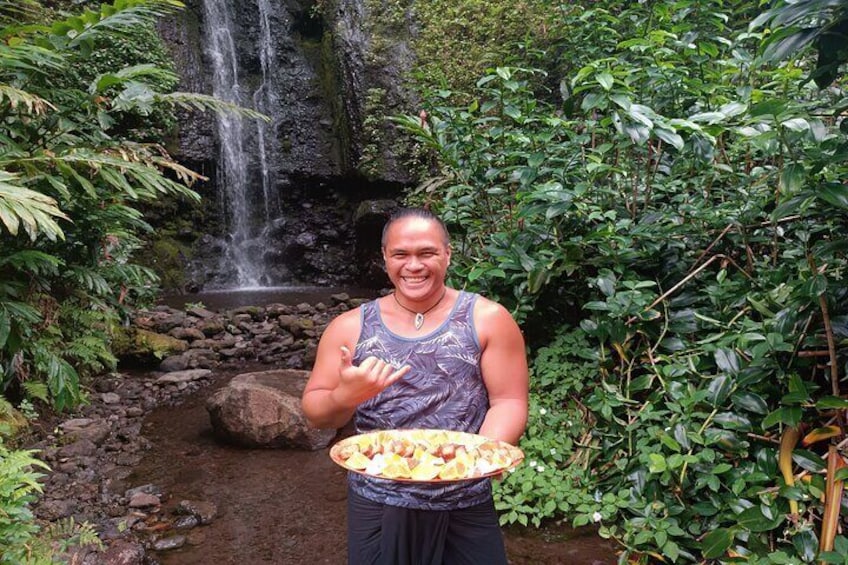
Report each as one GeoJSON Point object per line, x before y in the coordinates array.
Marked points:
{"type": "Point", "coordinates": [287, 507]}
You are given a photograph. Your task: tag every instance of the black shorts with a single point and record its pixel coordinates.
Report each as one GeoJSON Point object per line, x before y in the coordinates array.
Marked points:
{"type": "Point", "coordinates": [388, 535]}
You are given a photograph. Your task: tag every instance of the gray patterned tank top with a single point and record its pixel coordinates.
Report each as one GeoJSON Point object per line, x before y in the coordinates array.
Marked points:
{"type": "Point", "coordinates": [444, 389]}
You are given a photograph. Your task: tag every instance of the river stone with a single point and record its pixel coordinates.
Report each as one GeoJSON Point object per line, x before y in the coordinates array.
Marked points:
{"type": "Point", "coordinates": [172, 542]}
{"type": "Point", "coordinates": [174, 363]}
{"type": "Point", "coordinates": [262, 409]}
{"type": "Point", "coordinates": [123, 553]}
{"type": "Point", "coordinates": [95, 431]}
{"type": "Point", "coordinates": [203, 510]}
{"type": "Point", "coordinates": [184, 376]}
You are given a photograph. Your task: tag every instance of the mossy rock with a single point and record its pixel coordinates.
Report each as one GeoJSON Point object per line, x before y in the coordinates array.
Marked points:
{"type": "Point", "coordinates": [12, 422]}
{"type": "Point", "coordinates": [144, 345]}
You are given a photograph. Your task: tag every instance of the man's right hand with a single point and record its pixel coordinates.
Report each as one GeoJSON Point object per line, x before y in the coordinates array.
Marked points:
{"type": "Point", "coordinates": [359, 383]}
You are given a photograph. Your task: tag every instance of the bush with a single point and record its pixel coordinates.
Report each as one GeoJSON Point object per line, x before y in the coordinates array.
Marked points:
{"type": "Point", "coordinates": [684, 206]}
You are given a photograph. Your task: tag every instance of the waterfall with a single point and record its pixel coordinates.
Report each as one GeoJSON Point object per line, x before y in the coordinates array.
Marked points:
{"type": "Point", "coordinates": [245, 179]}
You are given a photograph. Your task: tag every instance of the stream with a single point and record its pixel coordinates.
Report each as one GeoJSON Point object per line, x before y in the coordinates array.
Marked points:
{"type": "Point", "coordinates": [286, 506]}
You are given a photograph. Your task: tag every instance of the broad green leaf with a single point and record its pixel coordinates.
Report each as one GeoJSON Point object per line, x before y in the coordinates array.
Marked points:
{"type": "Point", "coordinates": [835, 194]}
{"type": "Point", "coordinates": [605, 80]}
{"type": "Point", "coordinates": [5, 328]}
{"type": "Point", "coordinates": [788, 415]}
{"type": "Point", "coordinates": [796, 124]}
{"type": "Point", "coordinates": [754, 520]}
{"type": "Point", "coordinates": [750, 401]}
{"type": "Point", "coordinates": [670, 137]}
{"type": "Point", "coordinates": [716, 542]}
{"type": "Point", "coordinates": [831, 402]}
{"type": "Point", "coordinates": [727, 360]}
{"type": "Point", "coordinates": [656, 463]}
{"type": "Point", "coordinates": [808, 460]}
{"type": "Point", "coordinates": [719, 389]}
{"type": "Point", "coordinates": [772, 107]}
{"type": "Point", "coordinates": [792, 178]}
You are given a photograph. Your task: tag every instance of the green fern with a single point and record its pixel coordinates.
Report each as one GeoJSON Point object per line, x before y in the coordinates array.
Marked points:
{"type": "Point", "coordinates": [68, 533]}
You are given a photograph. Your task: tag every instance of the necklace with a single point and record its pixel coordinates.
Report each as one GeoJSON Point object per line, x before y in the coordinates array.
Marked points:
{"type": "Point", "coordinates": [419, 316]}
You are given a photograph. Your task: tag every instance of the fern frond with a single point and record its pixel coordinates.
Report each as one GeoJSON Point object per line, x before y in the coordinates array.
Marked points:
{"type": "Point", "coordinates": [27, 57]}
{"type": "Point", "coordinates": [37, 390]}
{"type": "Point", "coordinates": [132, 169]}
{"type": "Point", "coordinates": [12, 11]}
{"type": "Point", "coordinates": [89, 279]}
{"type": "Point", "coordinates": [32, 261]}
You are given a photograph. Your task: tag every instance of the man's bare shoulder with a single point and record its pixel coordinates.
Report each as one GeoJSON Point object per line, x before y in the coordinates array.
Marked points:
{"type": "Point", "coordinates": [491, 317]}
{"type": "Point", "coordinates": [487, 310]}
{"type": "Point", "coordinates": [345, 322]}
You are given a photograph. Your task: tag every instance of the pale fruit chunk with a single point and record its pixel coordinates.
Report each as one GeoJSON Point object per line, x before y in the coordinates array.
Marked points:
{"type": "Point", "coordinates": [428, 467]}
{"type": "Point", "coordinates": [454, 469]}
{"type": "Point", "coordinates": [357, 461]}
{"type": "Point", "coordinates": [396, 467]}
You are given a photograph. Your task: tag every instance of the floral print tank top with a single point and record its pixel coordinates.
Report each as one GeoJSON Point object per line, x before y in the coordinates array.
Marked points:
{"type": "Point", "coordinates": [444, 389]}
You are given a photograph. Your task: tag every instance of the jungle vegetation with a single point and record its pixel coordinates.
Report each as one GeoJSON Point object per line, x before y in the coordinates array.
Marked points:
{"type": "Point", "coordinates": [655, 189]}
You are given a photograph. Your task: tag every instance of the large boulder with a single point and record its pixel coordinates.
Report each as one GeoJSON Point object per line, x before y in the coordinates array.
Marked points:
{"type": "Point", "coordinates": [263, 410]}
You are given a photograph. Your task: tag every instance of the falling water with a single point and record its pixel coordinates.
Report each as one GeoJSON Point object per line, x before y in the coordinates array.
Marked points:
{"type": "Point", "coordinates": [244, 146]}
{"type": "Point", "coordinates": [264, 99]}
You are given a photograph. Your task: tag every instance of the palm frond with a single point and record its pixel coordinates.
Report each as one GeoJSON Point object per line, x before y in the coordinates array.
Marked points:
{"type": "Point", "coordinates": [17, 97]}
{"type": "Point", "coordinates": [107, 80]}
{"type": "Point", "coordinates": [133, 169]}
{"type": "Point", "coordinates": [204, 102]}
{"type": "Point", "coordinates": [118, 17]}
{"type": "Point", "coordinates": [28, 58]}
{"type": "Point", "coordinates": [20, 206]}
{"type": "Point", "coordinates": [12, 11]}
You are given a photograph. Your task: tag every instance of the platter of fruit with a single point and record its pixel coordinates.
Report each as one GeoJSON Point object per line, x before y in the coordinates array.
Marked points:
{"type": "Point", "coordinates": [422, 455]}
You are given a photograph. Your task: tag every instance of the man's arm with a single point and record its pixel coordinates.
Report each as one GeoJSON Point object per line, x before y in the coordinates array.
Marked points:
{"type": "Point", "coordinates": [504, 367]}
{"type": "Point", "coordinates": [336, 386]}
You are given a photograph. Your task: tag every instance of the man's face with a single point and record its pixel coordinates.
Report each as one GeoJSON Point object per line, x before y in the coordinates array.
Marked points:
{"type": "Point", "coordinates": [417, 257]}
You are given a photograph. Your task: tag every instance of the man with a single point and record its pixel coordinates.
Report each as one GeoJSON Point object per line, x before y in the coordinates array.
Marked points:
{"type": "Point", "coordinates": [426, 356]}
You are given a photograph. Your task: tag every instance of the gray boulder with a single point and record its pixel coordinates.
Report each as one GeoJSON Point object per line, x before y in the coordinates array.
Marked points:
{"type": "Point", "coordinates": [263, 410]}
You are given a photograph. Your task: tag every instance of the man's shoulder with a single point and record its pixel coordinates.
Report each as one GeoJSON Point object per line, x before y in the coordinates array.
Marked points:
{"type": "Point", "coordinates": [346, 320]}
{"type": "Point", "coordinates": [490, 316]}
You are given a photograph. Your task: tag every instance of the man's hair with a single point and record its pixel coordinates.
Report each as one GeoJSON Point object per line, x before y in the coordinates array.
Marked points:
{"type": "Point", "coordinates": [414, 212]}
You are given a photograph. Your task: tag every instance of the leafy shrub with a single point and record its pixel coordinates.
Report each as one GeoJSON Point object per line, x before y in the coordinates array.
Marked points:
{"type": "Point", "coordinates": [18, 488]}
{"type": "Point", "coordinates": [73, 170]}
{"type": "Point", "coordinates": [683, 205]}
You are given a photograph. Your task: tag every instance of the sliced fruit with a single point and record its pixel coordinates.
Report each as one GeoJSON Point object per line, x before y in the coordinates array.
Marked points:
{"type": "Point", "coordinates": [357, 461]}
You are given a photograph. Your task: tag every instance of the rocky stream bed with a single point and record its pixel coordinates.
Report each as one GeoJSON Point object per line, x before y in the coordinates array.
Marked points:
{"type": "Point", "coordinates": [141, 465]}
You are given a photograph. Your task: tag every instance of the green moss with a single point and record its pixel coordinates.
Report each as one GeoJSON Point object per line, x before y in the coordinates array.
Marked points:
{"type": "Point", "coordinates": [168, 255]}
{"type": "Point", "coordinates": [459, 39]}
{"type": "Point", "coordinates": [371, 161]}
{"type": "Point", "coordinates": [143, 344]}
{"type": "Point", "coordinates": [328, 75]}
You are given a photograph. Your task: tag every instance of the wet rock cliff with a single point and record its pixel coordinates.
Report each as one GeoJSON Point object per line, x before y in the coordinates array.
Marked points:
{"type": "Point", "coordinates": [327, 74]}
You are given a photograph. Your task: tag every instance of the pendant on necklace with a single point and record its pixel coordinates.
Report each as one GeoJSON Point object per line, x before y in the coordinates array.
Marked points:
{"type": "Point", "coordinates": [419, 320]}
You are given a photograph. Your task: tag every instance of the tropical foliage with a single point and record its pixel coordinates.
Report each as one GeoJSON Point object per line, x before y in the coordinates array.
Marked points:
{"type": "Point", "coordinates": [669, 227]}
{"type": "Point", "coordinates": [72, 175]}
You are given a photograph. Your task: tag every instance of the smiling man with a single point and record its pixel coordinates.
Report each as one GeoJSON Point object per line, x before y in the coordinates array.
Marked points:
{"type": "Point", "coordinates": [425, 356]}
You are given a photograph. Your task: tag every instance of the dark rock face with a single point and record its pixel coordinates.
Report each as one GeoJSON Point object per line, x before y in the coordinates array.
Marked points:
{"type": "Point", "coordinates": [332, 82]}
